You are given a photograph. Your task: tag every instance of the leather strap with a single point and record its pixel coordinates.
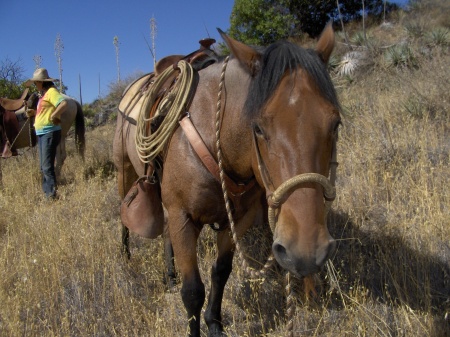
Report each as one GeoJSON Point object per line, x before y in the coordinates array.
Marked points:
{"type": "Point", "coordinates": [208, 160]}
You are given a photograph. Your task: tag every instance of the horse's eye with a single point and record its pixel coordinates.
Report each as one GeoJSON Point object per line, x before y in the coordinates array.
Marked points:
{"type": "Point", "coordinates": [258, 131]}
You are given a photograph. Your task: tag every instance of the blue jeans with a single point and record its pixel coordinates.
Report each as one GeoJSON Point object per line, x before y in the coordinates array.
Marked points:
{"type": "Point", "coordinates": [47, 155]}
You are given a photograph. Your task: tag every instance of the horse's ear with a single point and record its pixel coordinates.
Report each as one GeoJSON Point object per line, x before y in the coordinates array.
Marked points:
{"type": "Point", "coordinates": [325, 44]}
{"type": "Point", "coordinates": [246, 55]}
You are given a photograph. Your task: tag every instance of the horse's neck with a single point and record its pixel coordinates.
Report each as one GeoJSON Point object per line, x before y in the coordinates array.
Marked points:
{"type": "Point", "coordinates": [235, 133]}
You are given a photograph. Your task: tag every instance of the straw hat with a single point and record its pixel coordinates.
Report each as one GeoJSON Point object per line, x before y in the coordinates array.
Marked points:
{"type": "Point", "coordinates": [40, 75]}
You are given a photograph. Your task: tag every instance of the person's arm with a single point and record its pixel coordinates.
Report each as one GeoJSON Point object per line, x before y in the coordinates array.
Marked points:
{"type": "Point", "coordinates": [56, 115]}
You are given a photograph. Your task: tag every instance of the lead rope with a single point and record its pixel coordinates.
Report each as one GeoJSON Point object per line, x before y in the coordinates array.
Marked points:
{"type": "Point", "coordinates": [253, 273]}
{"type": "Point", "coordinates": [275, 200]}
{"type": "Point", "coordinates": [20, 131]}
{"type": "Point", "coordinates": [270, 261]}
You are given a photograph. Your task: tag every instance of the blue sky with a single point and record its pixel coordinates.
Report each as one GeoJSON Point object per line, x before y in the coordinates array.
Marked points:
{"type": "Point", "coordinates": [87, 29]}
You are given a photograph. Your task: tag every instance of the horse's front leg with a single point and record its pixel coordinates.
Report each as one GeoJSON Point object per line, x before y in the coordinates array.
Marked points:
{"type": "Point", "coordinates": [184, 235]}
{"type": "Point", "coordinates": [221, 271]}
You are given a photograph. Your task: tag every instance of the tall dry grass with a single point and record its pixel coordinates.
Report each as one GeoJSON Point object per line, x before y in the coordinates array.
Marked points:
{"type": "Point", "coordinates": [62, 273]}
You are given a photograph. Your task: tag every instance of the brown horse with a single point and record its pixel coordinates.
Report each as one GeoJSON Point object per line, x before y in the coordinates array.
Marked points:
{"type": "Point", "coordinates": [25, 133]}
{"type": "Point", "coordinates": [278, 119]}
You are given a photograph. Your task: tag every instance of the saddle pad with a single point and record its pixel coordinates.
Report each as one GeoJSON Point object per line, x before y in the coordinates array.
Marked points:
{"type": "Point", "coordinates": [132, 98]}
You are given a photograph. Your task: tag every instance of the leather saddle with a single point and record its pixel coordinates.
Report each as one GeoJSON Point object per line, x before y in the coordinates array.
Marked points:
{"type": "Point", "coordinates": [195, 58]}
{"type": "Point", "coordinates": [134, 93]}
{"type": "Point", "coordinates": [13, 104]}
{"type": "Point", "coordinates": [9, 124]}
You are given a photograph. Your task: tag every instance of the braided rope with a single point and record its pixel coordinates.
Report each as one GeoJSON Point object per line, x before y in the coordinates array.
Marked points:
{"type": "Point", "coordinates": [20, 131]}
{"type": "Point", "coordinates": [275, 201]}
{"type": "Point", "coordinates": [173, 103]}
{"type": "Point", "coordinates": [270, 261]}
{"type": "Point", "coordinates": [286, 188]}
{"type": "Point", "coordinates": [290, 306]}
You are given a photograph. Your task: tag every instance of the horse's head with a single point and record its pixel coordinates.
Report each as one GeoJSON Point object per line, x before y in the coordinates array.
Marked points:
{"type": "Point", "coordinates": [294, 113]}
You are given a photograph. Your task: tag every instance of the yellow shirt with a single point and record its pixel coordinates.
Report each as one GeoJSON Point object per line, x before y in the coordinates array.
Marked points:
{"type": "Point", "coordinates": [46, 106]}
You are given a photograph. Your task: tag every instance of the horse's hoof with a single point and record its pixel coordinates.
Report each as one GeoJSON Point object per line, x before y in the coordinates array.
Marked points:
{"type": "Point", "coordinates": [216, 331]}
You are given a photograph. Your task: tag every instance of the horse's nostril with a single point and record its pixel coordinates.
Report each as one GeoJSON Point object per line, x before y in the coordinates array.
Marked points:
{"type": "Point", "coordinates": [325, 253]}
{"type": "Point", "coordinates": [279, 251]}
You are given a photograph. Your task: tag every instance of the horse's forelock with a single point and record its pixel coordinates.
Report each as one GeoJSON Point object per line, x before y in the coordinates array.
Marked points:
{"type": "Point", "coordinates": [285, 56]}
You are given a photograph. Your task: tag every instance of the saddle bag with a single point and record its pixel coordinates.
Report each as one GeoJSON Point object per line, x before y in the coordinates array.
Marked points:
{"type": "Point", "coordinates": [141, 210]}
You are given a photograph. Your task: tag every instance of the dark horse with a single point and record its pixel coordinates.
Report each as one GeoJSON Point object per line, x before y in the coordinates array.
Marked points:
{"type": "Point", "coordinates": [21, 138]}
{"type": "Point", "coordinates": [279, 116]}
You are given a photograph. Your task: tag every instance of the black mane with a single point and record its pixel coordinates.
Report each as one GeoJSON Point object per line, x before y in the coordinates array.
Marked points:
{"type": "Point", "coordinates": [276, 60]}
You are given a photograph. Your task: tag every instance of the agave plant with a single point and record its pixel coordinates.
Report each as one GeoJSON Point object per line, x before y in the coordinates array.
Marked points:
{"type": "Point", "coordinates": [333, 62]}
{"type": "Point", "coordinates": [400, 56]}
{"type": "Point", "coordinates": [439, 37]}
{"type": "Point", "coordinates": [415, 29]}
{"type": "Point", "coordinates": [358, 39]}
{"type": "Point", "coordinates": [350, 62]}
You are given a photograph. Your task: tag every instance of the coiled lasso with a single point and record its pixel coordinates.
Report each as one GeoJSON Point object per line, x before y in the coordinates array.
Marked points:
{"type": "Point", "coordinates": [174, 102]}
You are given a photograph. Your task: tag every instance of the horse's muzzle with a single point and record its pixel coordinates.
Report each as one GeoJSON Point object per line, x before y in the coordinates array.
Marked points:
{"type": "Point", "coordinates": [303, 265]}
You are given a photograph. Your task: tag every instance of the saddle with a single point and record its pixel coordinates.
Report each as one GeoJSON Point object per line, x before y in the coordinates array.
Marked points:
{"type": "Point", "coordinates": [10, 124]}
{"type": "Point", "coordinates": [13, 104]}
{"type": "Point", "coordinates": [195, 58]}
{"type": "Point", "coordinates": [136, 91]}
{"type": "Point", "coordinates": [141, 210]}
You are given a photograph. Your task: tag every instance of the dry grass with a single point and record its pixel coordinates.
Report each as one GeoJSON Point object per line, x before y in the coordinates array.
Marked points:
{"type": "Point", "coordinates": [62, 275]}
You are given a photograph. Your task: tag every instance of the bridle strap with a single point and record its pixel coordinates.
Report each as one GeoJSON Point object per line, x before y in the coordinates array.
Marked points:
{"type": "Point", "coordinates": [267, 182]}
{"type": "Point", "coordinates": [276, 198]}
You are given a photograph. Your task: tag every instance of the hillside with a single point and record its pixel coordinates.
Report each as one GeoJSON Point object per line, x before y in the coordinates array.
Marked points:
{"type": "Point", "coordinates": [62, 273]}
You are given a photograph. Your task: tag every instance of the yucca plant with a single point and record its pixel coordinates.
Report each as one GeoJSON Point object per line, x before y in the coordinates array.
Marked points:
{"type": "Point", "coordinates": [351, 61]}
{"type": "Point", "coordinates": [400, 56]}
{"type": "Point", "coordinates": [348, 64]}
{"type": "Point", "coordinates": [415, 29]}
{"type": "Point", "coordinates": [438, 37]}
{"type": "Point", "coordinates": [358, 39]}
{"type": "Point", "coordinates": [333, 62]}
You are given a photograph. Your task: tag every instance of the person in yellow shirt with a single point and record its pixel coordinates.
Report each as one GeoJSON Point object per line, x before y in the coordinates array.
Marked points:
{"type": "Point", "coordinates": [47, 124]}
